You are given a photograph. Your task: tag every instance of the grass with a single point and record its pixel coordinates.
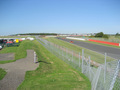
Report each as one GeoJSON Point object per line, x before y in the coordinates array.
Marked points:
{"type": "Point", "coordinates": [103, 44]}
{"type": "Point", "coordinates": [99, 58]}
{"type": "Point", "coordinates": [2, 73]}
{"type": "Point", "coordinates": [112, 38]}
{"type": "Point", "coordinates": [52, 73]}
{"type": "Point", "coordinates": [20, 51]}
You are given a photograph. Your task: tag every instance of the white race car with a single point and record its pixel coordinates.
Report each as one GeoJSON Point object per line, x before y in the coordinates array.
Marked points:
{"type": "Point", "coordinates": [0, 47]}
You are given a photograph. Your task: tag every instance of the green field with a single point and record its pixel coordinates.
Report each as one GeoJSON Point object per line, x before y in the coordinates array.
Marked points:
{"type": "Point", "coordinates": [53, 74]}
{"type": "Point", "coordinates": [19, 51]}
{"type": "Point", "coordinates": [99, 58]}
{"type": "Point", "coordinates": [2, 73]}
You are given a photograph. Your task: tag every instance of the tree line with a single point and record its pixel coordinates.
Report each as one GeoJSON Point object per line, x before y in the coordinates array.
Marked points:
{"type": "Point", "coordinates": [38, 34]}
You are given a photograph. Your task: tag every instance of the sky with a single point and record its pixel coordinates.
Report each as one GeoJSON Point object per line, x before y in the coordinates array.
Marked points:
{"type": "Point", "coordinates": [59, 16]}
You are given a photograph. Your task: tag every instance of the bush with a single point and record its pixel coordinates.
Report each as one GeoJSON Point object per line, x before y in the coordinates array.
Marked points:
{"type": "Point", "coordinates": [105, 36]}
{"type": "Point", "coordinates": [100, 34]}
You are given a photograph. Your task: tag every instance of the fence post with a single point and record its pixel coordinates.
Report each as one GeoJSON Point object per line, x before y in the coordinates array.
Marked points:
{"type": "Point", "coordinates": [82, 59]}
{"type": "Point", "coordinates": [105, 68]}
{"type": "Point", "coordinates": [59, 49]}
{"type": "Point", "coordinates": [62, 51]}
{"type": "Point", "coordinates": [89, 68]}
{"type": "Point", "coordinates": [96, 78]}
{"type": "Point", "coordinates": [34, 57]}
{"type": "Point", "coordinates": [72, 56]}
{"type": "Point", "coordinates": [66, 53]}
{"type": "Point", "coordinates": [115, 76]}
{"type": "Point", "coordinates": [79, 59]}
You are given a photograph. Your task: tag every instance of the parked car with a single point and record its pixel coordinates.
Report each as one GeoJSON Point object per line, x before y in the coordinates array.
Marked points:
{"type": "Point", "coordinates": [0, 47]}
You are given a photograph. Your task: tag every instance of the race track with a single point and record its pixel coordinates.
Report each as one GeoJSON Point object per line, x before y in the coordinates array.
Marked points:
{"type": "Point", "coordinates": [112, 52]}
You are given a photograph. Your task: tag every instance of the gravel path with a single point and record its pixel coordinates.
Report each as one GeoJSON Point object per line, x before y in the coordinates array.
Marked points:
{"type": "Point", "coordinates": [7, 56]}
{"type": "Point", "coordinates": [16, 71]}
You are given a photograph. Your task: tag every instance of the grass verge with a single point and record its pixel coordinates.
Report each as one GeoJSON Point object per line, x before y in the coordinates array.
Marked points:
{"type": "Point", "coordinates": [20, 51]}
{"type": "Point", "coordinates": [103, 44]}
{"type": "Point", "coordinates": [99, 58]}
{"type": "Point", "coordinates": [100, 43]}
{"type": "Point", "coordinates": [2, 73]}
{"type": "Point", "coordinates": [53, 74]}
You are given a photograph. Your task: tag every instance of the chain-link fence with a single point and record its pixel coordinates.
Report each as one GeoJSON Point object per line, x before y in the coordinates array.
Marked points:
{"type": "Point", "coordinates": [102, 77]}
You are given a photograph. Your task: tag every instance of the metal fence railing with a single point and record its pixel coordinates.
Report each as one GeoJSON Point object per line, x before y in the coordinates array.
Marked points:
{"type": "Point", "coordinates": [102, 77]}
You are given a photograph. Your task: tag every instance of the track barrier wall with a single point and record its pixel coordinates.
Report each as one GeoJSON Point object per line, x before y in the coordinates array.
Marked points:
{"type": "Point", "coordinates": [103, 77]}
{"type": "Point", "coordinates": [105, 42]}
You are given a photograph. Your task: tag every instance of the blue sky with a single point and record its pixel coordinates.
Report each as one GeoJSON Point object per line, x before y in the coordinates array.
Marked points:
{"type": "Point", "coordinates": [59, 16]}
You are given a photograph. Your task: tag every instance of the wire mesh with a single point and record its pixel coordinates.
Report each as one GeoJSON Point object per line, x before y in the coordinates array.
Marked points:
{"type": "Point", "coordinates": [101, 76]}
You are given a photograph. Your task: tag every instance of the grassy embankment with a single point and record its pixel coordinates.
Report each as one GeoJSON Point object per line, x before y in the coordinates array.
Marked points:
{"type": "Point", "coordinates": [19, 51]}
{"type": "Point", "coordinates": [99, 58]}
{"type": "Point", "coordinates": [52, 73]}
{"type": "Point", "coordinates": [2, 73]}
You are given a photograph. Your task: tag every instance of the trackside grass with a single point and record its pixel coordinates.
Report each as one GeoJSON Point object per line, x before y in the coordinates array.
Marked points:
{"type": "Point", "coordinates": [103, 44]}
{"type": "Point", "coordinates": [20, 51]}
{"type": "Point", "coordinates": [99, 58]}
{"type": "Point", "coordinates": [2, 73]}
{"type": "Point", "coordinates": [52, 73]}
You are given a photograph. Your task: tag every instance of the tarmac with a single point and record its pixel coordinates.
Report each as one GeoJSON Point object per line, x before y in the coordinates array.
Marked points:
{"type": "Point", "coordinates": [16, 71]}
{"type": "Point", "coordinates": [111, 52]}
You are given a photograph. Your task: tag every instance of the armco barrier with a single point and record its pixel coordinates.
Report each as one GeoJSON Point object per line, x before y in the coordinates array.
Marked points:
{"type": "Point", "coordinates": [104, 42]}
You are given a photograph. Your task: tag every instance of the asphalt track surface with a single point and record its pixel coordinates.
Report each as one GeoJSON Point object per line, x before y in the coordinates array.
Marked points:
{"type": "Point", "coordinates": [112, 52]}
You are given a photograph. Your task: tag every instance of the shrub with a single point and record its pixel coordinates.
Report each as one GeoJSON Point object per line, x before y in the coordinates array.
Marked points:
{"type": "Point", "coordinates": [105, 36]}
{"type": "Point", "coordinates": [100, 34]}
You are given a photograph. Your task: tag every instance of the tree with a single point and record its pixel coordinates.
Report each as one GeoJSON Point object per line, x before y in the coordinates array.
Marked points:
{"type": "Point", "coordinates": [100, 34]}
{"type": "Point", "coordinates": [105, 36]}
{"type": "Point", "coordinates": [117, 34]}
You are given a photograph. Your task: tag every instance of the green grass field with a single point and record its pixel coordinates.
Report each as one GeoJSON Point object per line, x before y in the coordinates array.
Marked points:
{"type": "Point", "coordinates": [2, 73]}
{"type": "Point", "coordinates": [99, 58]}
{"type": "Point", "coordinates": [53, 73]}
{"type": "Point", "coordinates": [20, 51]}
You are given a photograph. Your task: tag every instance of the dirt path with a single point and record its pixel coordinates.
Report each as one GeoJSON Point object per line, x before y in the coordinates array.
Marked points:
{"type": "Point", "coordinates": [16, 71]}
{"type": "Point", "coordinates": [7, 56]}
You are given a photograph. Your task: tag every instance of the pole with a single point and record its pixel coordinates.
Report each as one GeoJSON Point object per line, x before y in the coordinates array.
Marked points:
{"type": "Point", "coordinates": [105, 68]}
{"type": "Point", "coordinates": [79, 59]}
{"type": "Point", "coordinates": [82, 59]}
{"type": "Point", "coordinates": [89, 68]}
{"type": "Point", "coordinates": [72, 56]}
{"type": "Point", "coordinates": [34, 57]}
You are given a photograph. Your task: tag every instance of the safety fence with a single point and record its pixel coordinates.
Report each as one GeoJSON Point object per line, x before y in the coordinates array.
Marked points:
{"type": "Point", "coordinates": [102, 77]}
